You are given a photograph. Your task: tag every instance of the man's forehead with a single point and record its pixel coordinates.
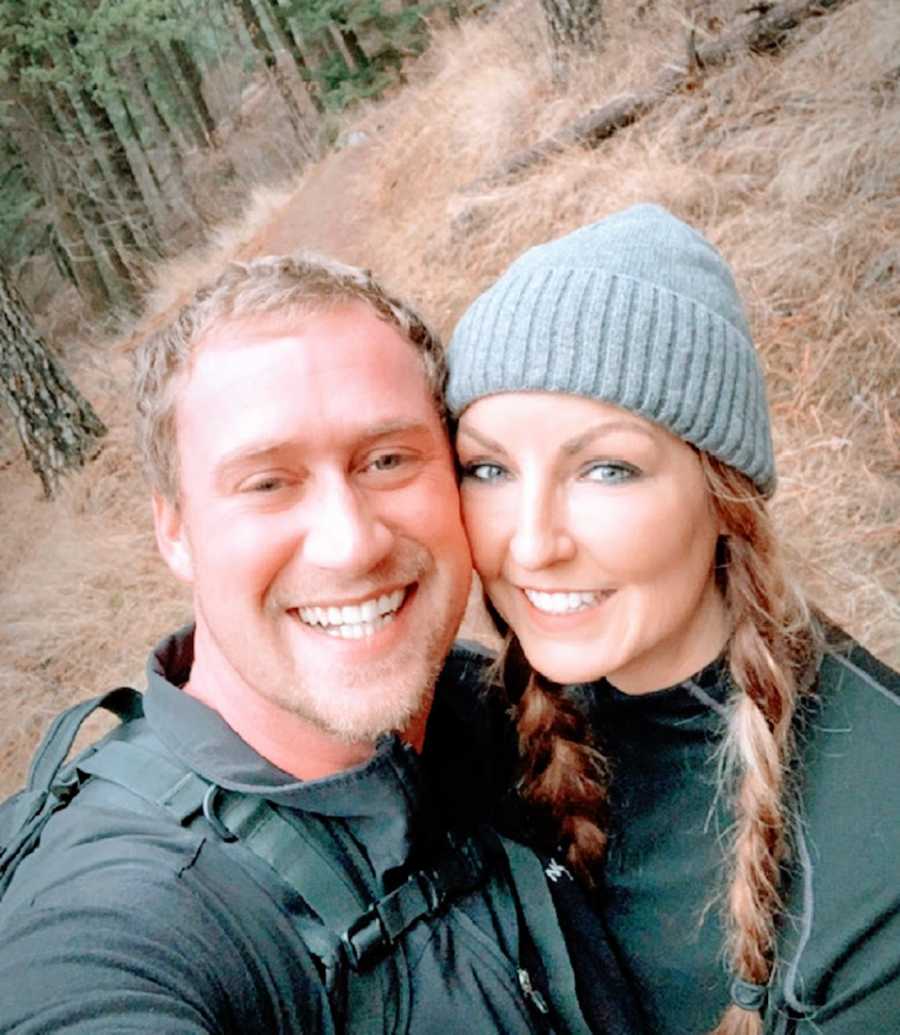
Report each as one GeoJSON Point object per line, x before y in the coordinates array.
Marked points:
{"type": "Point", "coordinates": [237, 331]}
{"type": "Point", "coordinates": [279, 371]}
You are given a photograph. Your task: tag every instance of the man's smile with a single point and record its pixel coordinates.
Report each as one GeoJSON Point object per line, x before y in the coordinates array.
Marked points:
{"type": "Point", "coordinates": [354, 621]}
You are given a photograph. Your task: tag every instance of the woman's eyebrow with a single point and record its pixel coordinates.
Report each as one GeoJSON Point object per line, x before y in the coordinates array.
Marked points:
{"type": "Point", "coordinates": [576, 444]}
{"type": "Point", "coordinates": [482, 440]}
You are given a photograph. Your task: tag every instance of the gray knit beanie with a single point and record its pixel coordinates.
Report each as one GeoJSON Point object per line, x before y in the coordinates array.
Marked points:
{"type": "Point", "coordinates": [638, 310]}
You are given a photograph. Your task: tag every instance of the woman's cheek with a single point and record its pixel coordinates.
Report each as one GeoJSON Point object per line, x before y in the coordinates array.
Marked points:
{"type": "Point", "coordinates": [485, 522]}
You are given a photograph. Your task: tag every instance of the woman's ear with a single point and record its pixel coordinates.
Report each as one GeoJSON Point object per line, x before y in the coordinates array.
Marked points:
{"type": "Point", "coordinates": [172, 538]}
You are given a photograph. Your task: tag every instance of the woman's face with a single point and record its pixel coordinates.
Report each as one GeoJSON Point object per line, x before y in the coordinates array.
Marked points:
{"type": "Point", "coordinates": [594, 535]}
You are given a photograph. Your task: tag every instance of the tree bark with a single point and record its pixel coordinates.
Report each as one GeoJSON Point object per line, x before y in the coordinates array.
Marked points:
{"type": "Point", "coordinates": [573, 25]}
{"type": "Point", "coordinates": [101, 233]}
{"type": "Point", "coordinates": [57, 426]}
{"type": "Point", "coordinates": [768, 32]}
{"type": "Point", "coordinates": [193, 84]}
{"type": "Point", "coordinates": [37, 140]}
{"type": "Point", "coordinates": [258, 37]}
{"type": "Point", "coordinates": [279, 23]}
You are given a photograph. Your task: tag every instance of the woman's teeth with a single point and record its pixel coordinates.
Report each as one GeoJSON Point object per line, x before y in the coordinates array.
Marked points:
{"type": "Point", "coordinates": [560, 603]}
{"type": "Point", "coordinates": [354, 621]}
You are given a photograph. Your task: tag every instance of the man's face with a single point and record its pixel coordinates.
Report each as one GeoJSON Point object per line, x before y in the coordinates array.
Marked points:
{"type": "Point", "coordinates": [318, 520]}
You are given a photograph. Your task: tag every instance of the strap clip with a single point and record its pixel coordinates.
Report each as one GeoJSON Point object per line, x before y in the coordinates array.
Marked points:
{"type": "Point", "coordinates": [364, 939]}
{"type": "Point", "coordinates": [209, 813]}
{"type": "Point", "coordinates": [747, 995]}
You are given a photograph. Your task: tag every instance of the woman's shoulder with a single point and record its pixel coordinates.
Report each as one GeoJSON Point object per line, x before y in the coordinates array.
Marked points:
{"type": "Point", "coordinates": [842, 931]}
{"type": "Point", "coordinates": [850, 724]}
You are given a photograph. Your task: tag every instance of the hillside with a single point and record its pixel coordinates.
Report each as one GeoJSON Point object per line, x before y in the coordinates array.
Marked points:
{"type": "Point", "coordinates": [789, 160]}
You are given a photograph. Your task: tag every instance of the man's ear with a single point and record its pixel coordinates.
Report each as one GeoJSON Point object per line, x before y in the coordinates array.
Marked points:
{"type": "Point", "coordinates": [171, 537]}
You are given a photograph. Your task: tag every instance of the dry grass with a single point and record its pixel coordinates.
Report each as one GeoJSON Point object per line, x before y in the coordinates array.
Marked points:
{"type": "Point", "coordinates": [790, 163]}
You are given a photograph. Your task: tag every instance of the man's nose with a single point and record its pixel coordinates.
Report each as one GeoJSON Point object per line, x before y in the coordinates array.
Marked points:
{"type": "Point", "coordinates": [540, 537]}
{"type": "Point", "coordinates": [344, 531]}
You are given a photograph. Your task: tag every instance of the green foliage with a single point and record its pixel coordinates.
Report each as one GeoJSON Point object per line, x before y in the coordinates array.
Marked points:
{"type": "Point", "coordinates": [23, 226]}
{"type": "Point", "coordinates": [386, 35]}
{"type": "Point", "coordinates": [74, 44]}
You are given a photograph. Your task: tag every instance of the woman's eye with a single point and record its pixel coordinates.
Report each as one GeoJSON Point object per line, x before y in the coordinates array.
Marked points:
{"type": "Point", "coordinates": [483, 472]}
{"type": "Point", "coordinates": [610, 472]}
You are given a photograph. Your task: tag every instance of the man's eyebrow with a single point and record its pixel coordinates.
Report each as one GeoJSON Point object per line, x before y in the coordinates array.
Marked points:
{"type": "Point", "coordinates": [266, 449]}
{"type": "Point", "coordinates": [399, 426]}
{"type": "Point", "coordinates": [262, 450]}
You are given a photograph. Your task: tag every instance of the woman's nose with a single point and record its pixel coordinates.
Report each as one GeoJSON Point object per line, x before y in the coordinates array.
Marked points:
{"type": "Point", "coordinates": [540, 537]}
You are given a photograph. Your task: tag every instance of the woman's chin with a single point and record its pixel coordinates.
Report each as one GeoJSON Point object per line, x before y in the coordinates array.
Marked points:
{"type": "Point", "coordinates": [563, 663]}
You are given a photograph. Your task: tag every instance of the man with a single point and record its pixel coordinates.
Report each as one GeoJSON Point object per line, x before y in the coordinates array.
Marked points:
{"type": "Point", "coordinates": [292, 427]}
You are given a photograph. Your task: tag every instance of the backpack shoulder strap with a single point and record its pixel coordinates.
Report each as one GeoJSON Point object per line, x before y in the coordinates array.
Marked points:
{"type": "Point", "coordinates": [539, 914]}
{"type": "Point", "coordinates": [51, 782]}
{"type": "Point", "coordinates": [57, 742]}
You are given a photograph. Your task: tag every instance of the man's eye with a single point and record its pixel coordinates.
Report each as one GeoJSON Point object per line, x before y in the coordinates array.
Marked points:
{"type": "Point", "coordinates": [483, 472]}
{"type": "Point", "coordinates": [387, 462]}
{"type": "Point", "coordinates": [269, 483]}
{"type": "Point", "coordinates": [610, 472]}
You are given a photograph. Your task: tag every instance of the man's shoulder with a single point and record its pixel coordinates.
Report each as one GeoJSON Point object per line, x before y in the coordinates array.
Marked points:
{"type": "Point", "coordinates": [120, 919]}
{"type": "Point", "coordinates": [102, 845]}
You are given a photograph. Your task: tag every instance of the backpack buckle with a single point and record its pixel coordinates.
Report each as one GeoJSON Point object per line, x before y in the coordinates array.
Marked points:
{"type": "Point", "coordinates": [364, 939]}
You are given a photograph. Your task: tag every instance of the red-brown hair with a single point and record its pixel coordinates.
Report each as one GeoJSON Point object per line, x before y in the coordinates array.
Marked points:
{"type": "Point", "coordinates": [771, 652]}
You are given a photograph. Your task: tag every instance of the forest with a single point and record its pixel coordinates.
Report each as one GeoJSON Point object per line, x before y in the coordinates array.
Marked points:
{"type": "Point", "coordinates": [144, 143]}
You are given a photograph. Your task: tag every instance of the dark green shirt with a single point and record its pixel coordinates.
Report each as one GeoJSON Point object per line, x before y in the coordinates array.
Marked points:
{"type": "Point", "coordinates": [838, 970]}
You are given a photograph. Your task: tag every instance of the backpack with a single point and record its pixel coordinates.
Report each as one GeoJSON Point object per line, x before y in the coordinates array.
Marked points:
{"type": "Point", "coordinates": [354, 936]}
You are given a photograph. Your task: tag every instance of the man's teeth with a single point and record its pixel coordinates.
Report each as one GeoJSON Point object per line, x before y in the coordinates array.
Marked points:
{"type": "Point", "coordinates": [560, 603]}
{"type": "Point", "coordinates": [353, 621]}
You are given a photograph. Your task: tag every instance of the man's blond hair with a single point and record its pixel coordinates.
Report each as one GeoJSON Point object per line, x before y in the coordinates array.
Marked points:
{"type": "Point", "coordinates": [298, 284]}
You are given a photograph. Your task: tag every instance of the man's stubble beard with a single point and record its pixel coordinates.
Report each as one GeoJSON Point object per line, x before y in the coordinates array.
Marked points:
{"type": "Point", "coordinates": [386, 695]}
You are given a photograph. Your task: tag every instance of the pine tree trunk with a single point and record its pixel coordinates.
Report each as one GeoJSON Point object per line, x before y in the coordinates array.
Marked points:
{"type": "Point", "coordinates": [193, 84]}
{"type": "Point", "coordinates": [38, 143]}
{"type": "Point", "coordinates": [125, 184]}
{"type": "Point", "coordinates": [573, 26]}
{"type": "Point", "coordinates": [257, 33]}
{"type": "Point", "coordinates": [160, 67]}
{"type": "Point", "coordinates": [159, 207]}
{"type": "Point", "coordinates": [162, 151]}
{"type": "Point", "coordinates": [278, 20]}
{"type": "Point", "coordinates": [57, 426]}
{"type": "Point", "coordinates": [84, 178]}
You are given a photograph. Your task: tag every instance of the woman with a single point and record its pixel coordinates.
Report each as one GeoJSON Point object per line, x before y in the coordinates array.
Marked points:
{"type": "Point", "coordinates": [719, 774]}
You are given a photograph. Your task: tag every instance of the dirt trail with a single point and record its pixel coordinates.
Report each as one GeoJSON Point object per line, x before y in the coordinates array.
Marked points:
{"type": "Point", "coordinates": [320, 216]}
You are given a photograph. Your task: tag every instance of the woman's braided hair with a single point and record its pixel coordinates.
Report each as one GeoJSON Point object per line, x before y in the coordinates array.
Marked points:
{"type": "Point", "coordinates": [771, 652]}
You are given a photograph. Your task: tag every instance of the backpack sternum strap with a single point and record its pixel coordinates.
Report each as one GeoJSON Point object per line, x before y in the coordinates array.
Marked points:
{"type": "Point", "coordinates": [421, 895]}
{"type": "Point", "coordinates": [304, 855]}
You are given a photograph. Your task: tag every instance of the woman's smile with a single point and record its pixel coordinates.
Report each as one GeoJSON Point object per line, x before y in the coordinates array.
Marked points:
{"type": "Point", "coordinates": [594, 535]}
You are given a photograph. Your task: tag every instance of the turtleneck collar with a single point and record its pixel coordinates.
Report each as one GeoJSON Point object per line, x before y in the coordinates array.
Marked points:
{"type": "Point", "coordinates": [698, 702]}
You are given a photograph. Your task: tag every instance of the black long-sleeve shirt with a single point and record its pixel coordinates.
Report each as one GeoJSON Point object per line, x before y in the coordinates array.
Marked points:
{"type": "Point", "coordinates": [838, 969]}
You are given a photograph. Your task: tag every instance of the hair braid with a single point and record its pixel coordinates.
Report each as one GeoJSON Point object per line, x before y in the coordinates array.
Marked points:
{"type": "Point", "coordinates": [772, 653]}
{"type": "Point", "coordinates": [563, 777]}
{"type": "Point", "coordinates": [771, 647]}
